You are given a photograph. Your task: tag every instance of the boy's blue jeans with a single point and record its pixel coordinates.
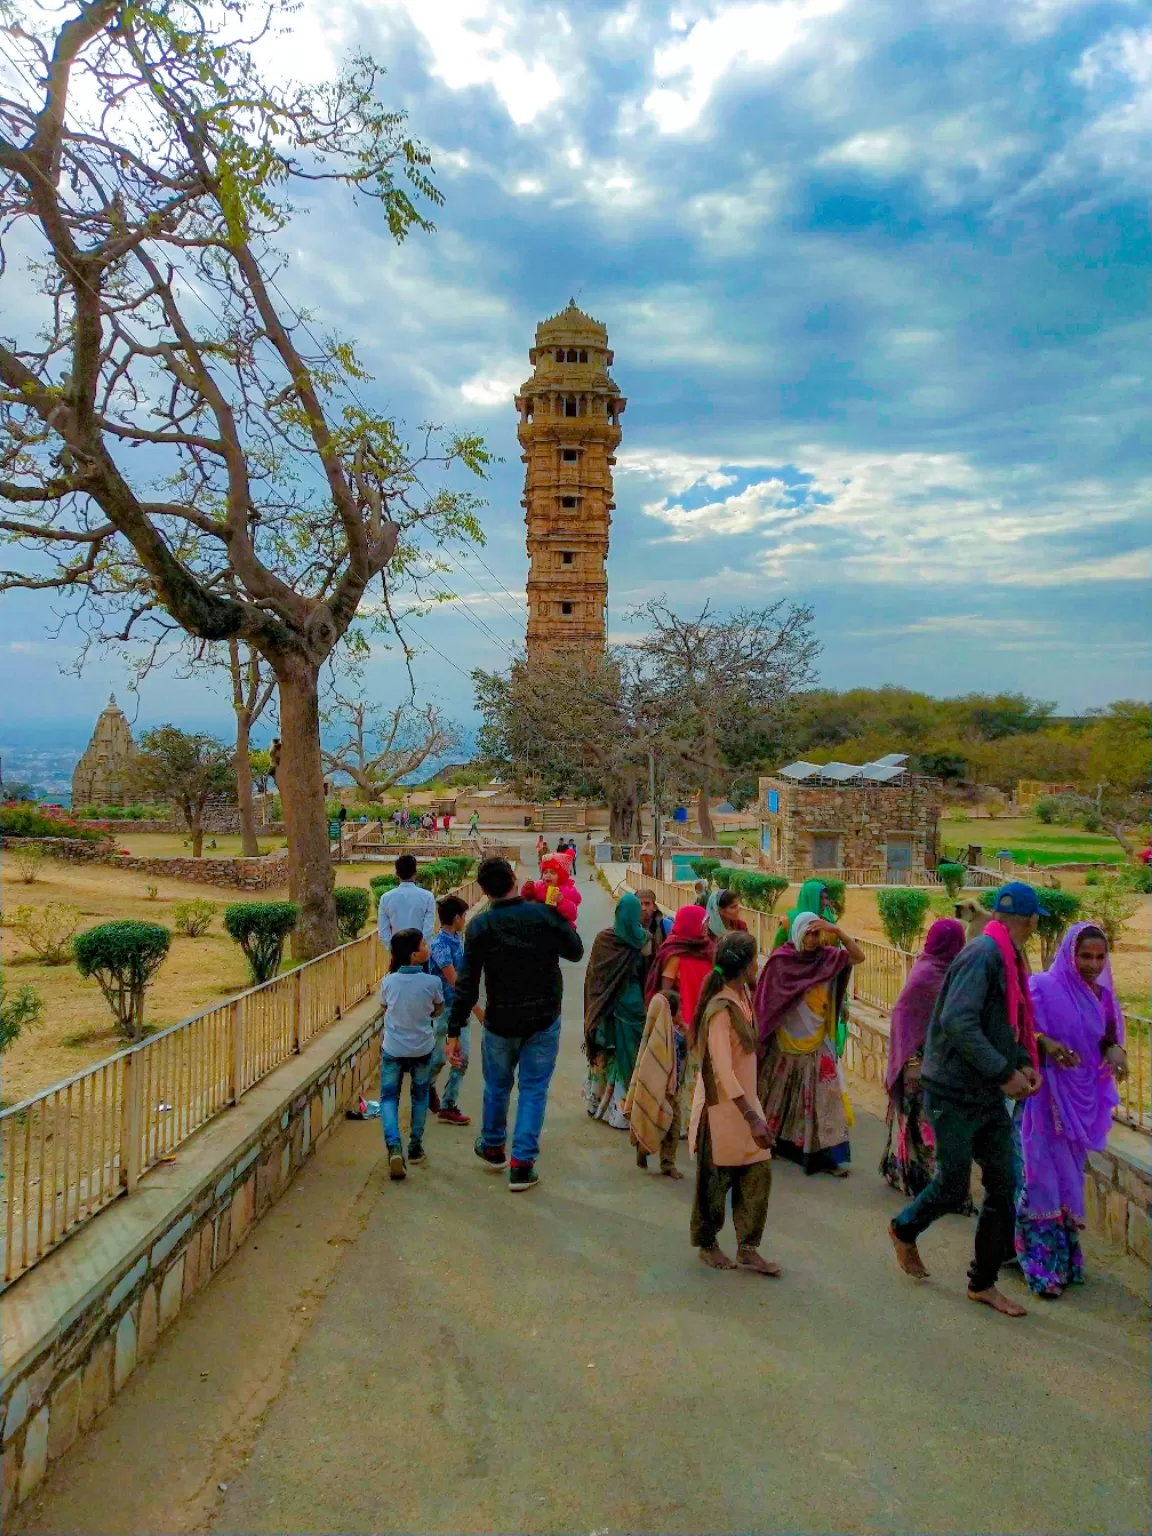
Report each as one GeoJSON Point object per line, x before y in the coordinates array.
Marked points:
{"type": "Point", "coordinates": [392, 1070]}
{"type": "Point", "coordinates": [451, 1094]}
{"type": "Point", "coordinates": [528, 1063]}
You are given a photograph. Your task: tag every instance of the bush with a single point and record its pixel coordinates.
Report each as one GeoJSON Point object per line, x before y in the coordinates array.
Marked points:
{"type": "Point", "coordinates": [440, 875]}
{"type": "Point", "coordinates": [261, 928]}
{"type": "Point", "coordinates": [26, 821]}
{"type": "Point", "coordinates": [123, 957]}
{"type": "Point", "coordinates": [351, 910]}
{"type": "Point", "coordinates": [760, 892]}
{"type": "Point", "coordinates": [381, 883]}
{"type": "Point", "coordinates": [953, 877]}
{"type": "Point", "coordinates": [48, 931]}
{"type": "Point", "coordinates": [1063, 909]}
{"type": "Point", "coordinates": [1049, 809]}
{"type": "Point", "coordinates": [704, 869]}
{"type": "Point", "coordinates": [837, 894]}
{"type": "Point", "coordinates": [28, 859]}
{"type": "Point", "coordinates": [23, 1008]}
{"type": "Point", "coordinates": [1111, 906]}
{"type": "Point", "coordinates": [1092, 878]}
{"type": "Point", "coordinates": [902, 912]}
{"type": "Point", "coordinates": [1133, 877]}
{"type": "Point", "coordinates": [193, 917]}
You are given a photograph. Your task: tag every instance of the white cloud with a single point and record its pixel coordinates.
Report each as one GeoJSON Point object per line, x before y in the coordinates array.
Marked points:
{"type": "Point", "coordinates": [758, 34]}
{"type": "Point", "coordinates": [493, 389]}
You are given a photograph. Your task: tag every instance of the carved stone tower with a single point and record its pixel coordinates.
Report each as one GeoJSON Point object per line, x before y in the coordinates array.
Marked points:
{"type": "Point", "coordinates": [103, 776]}
{"type": "Point", "coordinates": [569, 430]}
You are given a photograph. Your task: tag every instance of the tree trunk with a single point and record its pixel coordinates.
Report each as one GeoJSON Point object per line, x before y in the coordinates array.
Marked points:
{"type": "Point", "coordinates": [301, 785]}
{"type": "Point", "coordinates": [622, 806]}
{"type": "Point", "coordinates": [249, 847]}
{"type": "Point", "coordinates": [197, 828]}
{"type": "Point", "coordinates": [704, 816]}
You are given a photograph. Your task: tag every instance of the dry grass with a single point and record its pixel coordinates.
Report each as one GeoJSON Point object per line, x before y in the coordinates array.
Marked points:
{"type": "Point", "coordinates": [77, 1029]}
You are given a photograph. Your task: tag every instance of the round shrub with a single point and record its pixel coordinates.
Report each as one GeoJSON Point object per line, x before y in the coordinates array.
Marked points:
{"type": "Point", "coordinates": [953, 876]}
{"type": "Point", "coordinates": [440, 875]}
{"type": "Point", "coordinates": [704, 869]}
{"type": "Point", "coordinates": [381, 883]}
{"type": "Point", "coordinates": [902, 912]}
{"type": "Point", "coordinates": [123, 957]}
{"type": "Point", "coordinates": [352, 903]}
{"type": "Point", "coordinates": [760, 892]}
{"type": "Point", "coordinates": [261, 928]}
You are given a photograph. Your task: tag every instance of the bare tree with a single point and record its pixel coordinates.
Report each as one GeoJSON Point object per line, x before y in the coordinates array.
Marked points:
{"type": "Point", "coordinates": [380, 746]}
{"type": "Point", "coordinates": [175, 443]}
{"type": "Point", "coordinates": [725, 681]}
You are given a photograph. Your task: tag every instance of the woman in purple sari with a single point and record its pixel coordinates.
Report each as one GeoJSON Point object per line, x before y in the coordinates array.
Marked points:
{"type": "Point", "coordinates": [909, 1159]}
{"type": "Point", "coordinates": [1080, 1030]}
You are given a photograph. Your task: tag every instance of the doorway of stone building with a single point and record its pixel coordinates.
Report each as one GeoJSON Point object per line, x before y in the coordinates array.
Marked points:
{"type": "Point", "coordinates": [899, 860]}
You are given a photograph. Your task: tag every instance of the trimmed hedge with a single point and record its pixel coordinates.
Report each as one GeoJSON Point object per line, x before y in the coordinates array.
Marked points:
{"type": "Point", "coordinates": [352, 902]}
{"type": "Point", "coordinates": [381, 883]}
{"type": "Point", "coordinates": [440, 875]}
{"type": "Point", "coordinates": [26, 821]}
{"type": "Point", "coordinates": [261, 928]}
{"type": "Point", "coordinates": [953, 876]}
{"type": "Point", "coordinates": [902, 911]}
{"type": "Point", "coordinates": [758, 891]}
{"type": "Point", "coordinates": [705, 869]}
{"type": "Point", "coordinates": [123, 957]}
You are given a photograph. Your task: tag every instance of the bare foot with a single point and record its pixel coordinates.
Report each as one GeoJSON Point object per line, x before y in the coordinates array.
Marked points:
{"type": "Point", "coordinates": [748, 1258]}
{"type": "Point", "coordinates": [716, 1258]}
{"type": "Point", "coordinates": [998, 1302]}
{"type": "Point", "coordinates": [908, 1256]}
{"type": "Point", "coordinates": [671, 1173]}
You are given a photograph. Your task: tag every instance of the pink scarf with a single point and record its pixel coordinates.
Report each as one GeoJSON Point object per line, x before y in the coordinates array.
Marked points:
{"type": "Point", "coordinates": [1016, 985]}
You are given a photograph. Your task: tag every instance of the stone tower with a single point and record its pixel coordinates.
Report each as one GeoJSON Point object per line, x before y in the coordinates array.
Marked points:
{"type": "Point", "coordinates": [569, 430]}
{"type": "Point", "coordinates": [103, 776]}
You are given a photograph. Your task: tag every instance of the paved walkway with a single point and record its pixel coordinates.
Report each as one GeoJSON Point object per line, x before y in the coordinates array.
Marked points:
{"type": "Point", "coordinates": [443, 1356]}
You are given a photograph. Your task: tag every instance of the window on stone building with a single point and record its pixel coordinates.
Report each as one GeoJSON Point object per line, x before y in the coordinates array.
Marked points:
{"type": "Point", "coordinates": [569, 405]}
{"type": "Point", "coordinates": [583, 357]}
{"type": "Point", "coordinates": [825, 851]}
{"type": "Point", "coordinates": [566, 610]}
{"type": "Point", "coordinates": [566, 557]}
{"type": "Point", "coordinates": [567, 501]}
{"type": "Point", "coordinates": [560, 357]}
{"type": "Point", "coordinates": [571, 354]}
{"type": "Point", "coordinates": [569, 455]}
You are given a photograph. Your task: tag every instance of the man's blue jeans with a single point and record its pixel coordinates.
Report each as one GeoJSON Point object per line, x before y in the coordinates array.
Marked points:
{"type": "Point", "coordinates": [529, 1063]}
{"type": "Point", "coordinates": [392, 1070]}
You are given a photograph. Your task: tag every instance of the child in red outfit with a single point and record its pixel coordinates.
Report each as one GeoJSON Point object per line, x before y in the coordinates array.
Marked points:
{"type": "Point", "coordinates": [555, 886]}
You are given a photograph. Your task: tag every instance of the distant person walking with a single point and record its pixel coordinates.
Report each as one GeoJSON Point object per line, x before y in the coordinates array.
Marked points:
{"type": "Point", "coordinates": [614, 1012]}
{"type": "Point", "coordinates": [981, 1049]}
{"type": "Point", "coordinates": [516, 947]}
{"type": "Point", "coordinates": [410, 1000]}
{"type": "Point", "coordinates": [909, 1159]}
{"type": "Point", "coordinates": [1080, 1035]}
{"type": "Point", "coordinates": [406, 905]}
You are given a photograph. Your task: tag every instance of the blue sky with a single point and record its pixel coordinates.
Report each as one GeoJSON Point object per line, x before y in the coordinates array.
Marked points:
{"type": "Point", "coordinates": [876, 276]}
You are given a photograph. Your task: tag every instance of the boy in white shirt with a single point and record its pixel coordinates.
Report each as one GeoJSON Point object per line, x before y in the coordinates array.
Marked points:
{"type": "Point", "coordinates": [410, 1000]}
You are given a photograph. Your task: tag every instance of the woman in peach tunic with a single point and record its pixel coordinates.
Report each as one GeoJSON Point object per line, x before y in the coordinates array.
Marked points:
{"type": "Point", "coordinates": [727, 1133]}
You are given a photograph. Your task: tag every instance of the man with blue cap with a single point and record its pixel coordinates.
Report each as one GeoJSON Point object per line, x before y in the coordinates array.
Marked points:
{"type": "Point", "coordinates": [981, 1049]}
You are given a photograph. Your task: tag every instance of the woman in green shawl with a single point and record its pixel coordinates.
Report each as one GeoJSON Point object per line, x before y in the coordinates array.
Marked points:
{"type": "Point", "coordinates": [614, 1011]}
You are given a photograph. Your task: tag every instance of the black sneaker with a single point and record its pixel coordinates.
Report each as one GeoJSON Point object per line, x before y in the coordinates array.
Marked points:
{"type": "Point", "coordinates": [433, 1100]}
{"type": "Point", "coordinates": [416, 1152]}
{"type": "Point", "coordinates": [522, 1176]}
{"type": "Point", "coordinates": [495, 1157]}
{"type": "Point", "coordinates": [396, 1168]}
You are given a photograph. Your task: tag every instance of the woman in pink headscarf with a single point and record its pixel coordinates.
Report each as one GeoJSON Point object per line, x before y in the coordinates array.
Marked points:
{"type": "Point", "coordinates": [1080, 1032]}
{"type": "Point", "coordinates": [909, 1159]}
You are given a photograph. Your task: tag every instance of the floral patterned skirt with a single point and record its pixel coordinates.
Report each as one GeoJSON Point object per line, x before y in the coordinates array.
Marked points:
{"type": "Point", "coordinates": [805, 1106]}
{"type": "Point", "coordinates": [1049, 1251]}
{"type": "Point", "coordinates": [604, 1097]}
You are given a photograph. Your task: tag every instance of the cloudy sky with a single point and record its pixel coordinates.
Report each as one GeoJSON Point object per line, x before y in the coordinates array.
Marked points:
{"type": "Point", "coordinates": [876, 276]}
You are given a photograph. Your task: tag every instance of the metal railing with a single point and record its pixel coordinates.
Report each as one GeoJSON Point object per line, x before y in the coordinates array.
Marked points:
{"type": "Point", "coordinates": [71, 1149]}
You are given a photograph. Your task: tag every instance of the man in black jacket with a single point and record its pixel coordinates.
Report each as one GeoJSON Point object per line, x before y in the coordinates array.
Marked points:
{"type": "Point", "coordinates": [517, 946]}
{"type": "Point", "coordinates": [973, 1061]}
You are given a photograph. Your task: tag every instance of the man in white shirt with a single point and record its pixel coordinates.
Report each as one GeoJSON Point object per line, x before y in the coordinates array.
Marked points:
{"type": "Point", "coordinates": [406, 905]}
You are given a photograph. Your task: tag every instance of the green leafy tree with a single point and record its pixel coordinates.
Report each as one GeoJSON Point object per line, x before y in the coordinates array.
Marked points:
{"type": "Point", "coordinates": [187, 769]}
{"type": "Point", "coordinates": [953, 876]}
{"type": "Point", "coordinates": [150, 169]}
{"type": "Point", "coordinates": [902, 913]}
{"type": "Point", "coordinates": [19, 1010]}
{"type": "Point", "coordinates": [760, 892]}
{"type": "Point", "coordinates": [261, 929]}
{"type": "Point", "coordinates": [123, 957]}
{"type": "Point", "coordinates": [1111, 905]}
{"type": "Point", "coordinates": [352, 903]}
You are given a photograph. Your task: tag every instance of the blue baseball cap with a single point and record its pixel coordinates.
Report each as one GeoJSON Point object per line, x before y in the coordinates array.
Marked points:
{"type": "Point", "coordinates": [1017, 899]}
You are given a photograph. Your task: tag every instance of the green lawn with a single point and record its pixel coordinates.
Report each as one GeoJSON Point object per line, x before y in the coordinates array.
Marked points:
{"type": "Point", "coordinates": [1027, 839]}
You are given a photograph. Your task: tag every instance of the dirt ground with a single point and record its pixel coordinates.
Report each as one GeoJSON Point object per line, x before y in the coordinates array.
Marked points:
{"type": "Point", "coordinates": [77, 1028]}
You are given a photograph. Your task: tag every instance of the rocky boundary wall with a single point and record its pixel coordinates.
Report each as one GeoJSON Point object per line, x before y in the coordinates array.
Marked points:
{"type": "Point", "coordinates": [262, 874]}
{"type": "Point", "coordinates": [77, 1325]}
{"type": "Point", "coordinates": [175, 828]}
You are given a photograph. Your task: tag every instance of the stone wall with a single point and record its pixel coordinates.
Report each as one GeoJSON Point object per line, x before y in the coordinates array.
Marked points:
{"type": "Point", "coordinates": [59, 1391]}
{"type": "Point", "coordinates": [1118, 1195]}
{"type": "Point", "coordinates": [242, 874]}
{"type": "Point", "coordinates": [176, 828]}
{"type": "Point", "coordinates": [861, 817]}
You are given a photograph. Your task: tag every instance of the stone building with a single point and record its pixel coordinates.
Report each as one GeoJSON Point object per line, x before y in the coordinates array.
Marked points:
{"type": "Point", "coordinates": [103, 776]}
{"type": "Point", "coordinates": [569, 430]}
{"type": "Point", "coordinates": [870, 824]}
